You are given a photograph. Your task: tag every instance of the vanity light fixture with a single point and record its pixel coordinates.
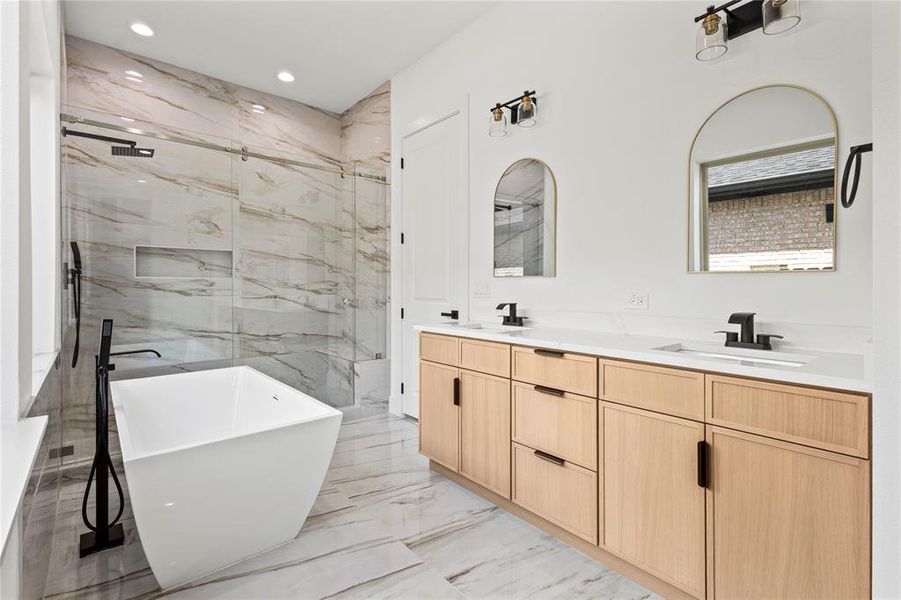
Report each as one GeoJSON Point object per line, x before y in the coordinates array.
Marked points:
{"type": "Point", "coordinates": [523, 112]}
{"type": "Point", "coordinates": [714, 32]}
{"type": "Point", "coordinates": [285, 76]}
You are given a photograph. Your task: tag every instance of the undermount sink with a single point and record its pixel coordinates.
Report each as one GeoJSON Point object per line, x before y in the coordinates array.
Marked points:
{"type": "Point", "coordinates": [492, 327]}
{"type": "Point", "coordinates": [739, 355]}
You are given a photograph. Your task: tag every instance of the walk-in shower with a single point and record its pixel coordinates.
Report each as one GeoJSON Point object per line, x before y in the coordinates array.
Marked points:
{"type": "Point", "coordinates": [217, 254]}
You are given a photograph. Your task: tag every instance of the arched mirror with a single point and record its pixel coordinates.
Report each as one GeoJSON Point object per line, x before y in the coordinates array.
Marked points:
{"type": "Point", "coordinates": [762, 175]}
{"type": "Point", "coordinates": [525, 221]}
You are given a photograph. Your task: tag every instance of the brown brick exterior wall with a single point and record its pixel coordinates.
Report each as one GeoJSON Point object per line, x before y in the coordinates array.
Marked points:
{"type": "Point", "coordinates": [792, 221]}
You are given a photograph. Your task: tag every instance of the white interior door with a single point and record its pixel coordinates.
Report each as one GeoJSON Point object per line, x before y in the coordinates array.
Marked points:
{"type": "Point", "coordinates": [435, 229]}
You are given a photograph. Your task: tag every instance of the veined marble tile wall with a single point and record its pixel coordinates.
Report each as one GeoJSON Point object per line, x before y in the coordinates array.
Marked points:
{"type": "Point", "coordinates": [306, 299]}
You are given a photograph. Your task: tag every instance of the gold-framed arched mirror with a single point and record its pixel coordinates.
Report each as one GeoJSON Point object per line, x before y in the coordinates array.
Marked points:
{"type": "Point", "coordinates": [762, 184]}
{"type": "Point", "coordinates": [525, 221]}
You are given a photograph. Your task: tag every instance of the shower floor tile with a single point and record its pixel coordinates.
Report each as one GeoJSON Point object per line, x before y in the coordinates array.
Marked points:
{"type": "Point", "coordinates": [383, 526]}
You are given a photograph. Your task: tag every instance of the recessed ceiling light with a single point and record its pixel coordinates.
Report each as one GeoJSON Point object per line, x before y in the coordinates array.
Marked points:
{"type": "Point", "coordinates": [135, 79]}
{"type": "Point", "coordinates": [258, 106]}
{"type": "Point", "coordinates": [127, 119]}
{"type": "Point", "coordinates": [142, 181]}
{"type": "Point", "coordinates": [285, 76]}
{"type": "Point", "coordinates": [133, 73]}
{"type": "Point", "coordinates": [141, 29]}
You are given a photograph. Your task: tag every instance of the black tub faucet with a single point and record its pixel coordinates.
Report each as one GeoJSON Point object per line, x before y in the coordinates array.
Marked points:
{"type": "Point", "coordinates": [745, 339]}
{"type": "Point", "coordinates": [511, 319]}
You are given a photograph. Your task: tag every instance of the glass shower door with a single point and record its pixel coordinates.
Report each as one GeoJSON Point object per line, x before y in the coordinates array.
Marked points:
{"type": "Point", "coordinates": [294, 281]}
{"type": "Point", "coordinates": [155, 235]}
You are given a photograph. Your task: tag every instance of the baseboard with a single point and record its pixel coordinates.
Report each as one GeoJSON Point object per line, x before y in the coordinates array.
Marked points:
{"type": "Point", "coordinates": [619, 565]}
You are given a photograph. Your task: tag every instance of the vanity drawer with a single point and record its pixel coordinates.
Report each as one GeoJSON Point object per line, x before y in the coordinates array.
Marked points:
{"type": "Point", "coordinates": [559, 423]}
{"type": "Point", "coordinates": [661, 389]}
{"type": "Point", "coordinates": [439, 348]}
{"type": "Point", "coordinates": [564, 494]}
{"type": "Point", "coordinates": [574, 373]}
{"type": "Point", "coordinates": [836, 421]}
{"type": "Point", "coordinates": [485, 357]}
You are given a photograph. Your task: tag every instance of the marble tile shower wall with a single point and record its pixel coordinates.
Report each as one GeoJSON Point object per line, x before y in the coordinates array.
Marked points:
{"type": "Point", "coordinates": [306, 294]}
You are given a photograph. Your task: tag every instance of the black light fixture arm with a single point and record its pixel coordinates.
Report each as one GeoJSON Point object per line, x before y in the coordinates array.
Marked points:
{"type": "Point", "coordinates": [853, 158]}
{"type": "Point", "coordinates": [510, 103]}
{"type": "Point", "coordinates": [740, 20]}
{"type": "Point", "coordinates": [715, 9]}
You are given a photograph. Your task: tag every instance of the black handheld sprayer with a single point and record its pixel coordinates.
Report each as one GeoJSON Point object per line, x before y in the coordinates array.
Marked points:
{"type": "Point", "coordinates": [103, 533]}
{"type": "Point", "coordinates": [74, 278]}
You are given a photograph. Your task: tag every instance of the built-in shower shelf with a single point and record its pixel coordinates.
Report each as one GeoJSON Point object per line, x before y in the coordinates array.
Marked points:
{"type": "Point", "coordinates": [182, 263]}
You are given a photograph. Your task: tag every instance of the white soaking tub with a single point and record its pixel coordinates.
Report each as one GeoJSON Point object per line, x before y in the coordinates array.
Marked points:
{"type": "Point", "coordinates": [220, 465]}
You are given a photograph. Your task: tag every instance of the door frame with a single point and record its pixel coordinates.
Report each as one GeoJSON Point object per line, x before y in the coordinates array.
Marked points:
{"type": "Point", "coordinates": [441, 111]}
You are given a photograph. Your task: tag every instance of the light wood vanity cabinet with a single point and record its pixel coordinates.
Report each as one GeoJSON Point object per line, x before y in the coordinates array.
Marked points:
{"type": "Point", "coordinates": [652, 508]}
{"type": "Point", "coordinates": [464, 415]}
{"type": "Point", "coordinates": [695, 484]}
{"type": "Point", "coordinates": [561, 492]}
{"type": "Point", "coordinates": [566, 371]}
{"type": "Point", "coordinates": [557, 422]}
{"type": "Point", "coordinates": [439, 414]}
{"type": "Point", "coordinates": [485, 430]}
{"type": "Point", "coordinates": [785, 521]}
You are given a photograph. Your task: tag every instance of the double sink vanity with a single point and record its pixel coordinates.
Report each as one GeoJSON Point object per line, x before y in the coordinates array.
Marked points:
{"type": "Point", "coordinates": [697, 470]}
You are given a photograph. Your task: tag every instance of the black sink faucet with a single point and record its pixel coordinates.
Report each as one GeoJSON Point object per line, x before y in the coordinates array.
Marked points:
{"type": "Point", "coordinates": [746, 320]}
{"type": "Point", "coordinates": [511, 319]}
{"type": "Point", "coordinates": [746, 338]}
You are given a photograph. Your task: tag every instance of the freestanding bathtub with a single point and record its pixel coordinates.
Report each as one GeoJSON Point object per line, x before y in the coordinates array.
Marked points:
{"type": "Point", "coordinates": [220, 464]}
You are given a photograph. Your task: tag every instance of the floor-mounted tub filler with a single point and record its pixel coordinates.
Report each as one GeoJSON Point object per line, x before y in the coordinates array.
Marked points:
{"type": "Point", "coordinates": [221, 465]}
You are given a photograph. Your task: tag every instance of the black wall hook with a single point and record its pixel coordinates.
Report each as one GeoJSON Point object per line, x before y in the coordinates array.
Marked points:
{"type": "Point", "coordinates": [853, 158]}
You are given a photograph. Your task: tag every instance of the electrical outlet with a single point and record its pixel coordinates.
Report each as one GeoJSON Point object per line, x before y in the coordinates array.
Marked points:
{"type": "Point", "coordinates": [481, 289]}
{"type": "Point", "coordinates": [637, 301]}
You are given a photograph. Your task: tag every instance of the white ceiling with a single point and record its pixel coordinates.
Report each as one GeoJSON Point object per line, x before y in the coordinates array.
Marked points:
{"type": "Point", "coordinates": [338, 51]}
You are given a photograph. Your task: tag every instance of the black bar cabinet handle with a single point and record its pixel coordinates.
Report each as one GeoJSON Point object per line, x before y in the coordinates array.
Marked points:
{"type": "Point", "coordinates": [456, 391]}
{"type": "Point", "coordinates": [703, 469]}
{"type": "Point", "coordinates": [547, 390]}
{"type": "Point", "coordinates": [454, 314]}
{"type": "Point", "coordinates": [550, 458]}
{"type": "Point", "coordinates": [546, 352]}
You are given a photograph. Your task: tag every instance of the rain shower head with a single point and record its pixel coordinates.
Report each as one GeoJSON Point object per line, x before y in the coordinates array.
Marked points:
{"type": "Point", "coordinates": [133, 151]}
{"type": "Point", "coordinates": [125, 147]}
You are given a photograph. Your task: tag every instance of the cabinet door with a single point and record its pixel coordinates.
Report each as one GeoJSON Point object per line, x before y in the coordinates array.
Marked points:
{"type": "Point", "coordinates": [785, 521]}
{"type": "Point", "coordinates": [485, 430]}
{"type": "Point", "coordinates": [439, 414]}
{"type": "Point", "coordinates": [651, 506]}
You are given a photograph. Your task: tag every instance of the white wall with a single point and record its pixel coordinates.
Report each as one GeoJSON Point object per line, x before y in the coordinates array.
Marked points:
{"type": "Point", "coordinates": [621, 98]}
{"type": "Point", "coordinates": [886, 160]}
{"type": "Point", "coordinates": [29, 79]}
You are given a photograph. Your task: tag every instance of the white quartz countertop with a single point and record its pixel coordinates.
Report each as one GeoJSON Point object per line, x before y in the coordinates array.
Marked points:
{"type": "Point", "coordinates": [19, 445]}
{"type": "Point", "coordinates": [822, 369]}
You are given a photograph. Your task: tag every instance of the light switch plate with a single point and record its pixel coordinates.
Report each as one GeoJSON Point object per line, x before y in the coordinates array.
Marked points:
{"type": "Point", "coordinates": [637, 301]}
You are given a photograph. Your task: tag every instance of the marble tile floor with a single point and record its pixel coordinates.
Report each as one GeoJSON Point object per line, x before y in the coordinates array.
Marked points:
{"type": "Point", "coordinates": [383, 526]}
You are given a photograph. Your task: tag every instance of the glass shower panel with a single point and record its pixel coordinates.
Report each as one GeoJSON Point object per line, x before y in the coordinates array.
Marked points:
{"type": "Point", "coordinates": [156, 236]}
{"type": "Point", "coordinates": [294, 281]}
{"type": "Point", "coordinates": [371, 268]}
